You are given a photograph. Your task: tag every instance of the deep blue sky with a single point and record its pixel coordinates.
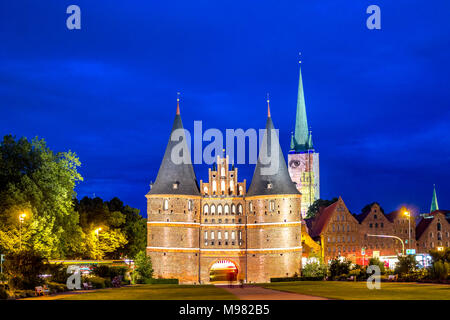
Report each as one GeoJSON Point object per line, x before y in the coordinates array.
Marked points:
{"type": "Point", "coordinates": [377, 101]}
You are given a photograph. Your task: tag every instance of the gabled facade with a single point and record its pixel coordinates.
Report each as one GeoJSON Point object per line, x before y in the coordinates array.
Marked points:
{"type": "Point", "coordinates": [433, 231]}
{"type": "Point", "coordinates": [337, 231]}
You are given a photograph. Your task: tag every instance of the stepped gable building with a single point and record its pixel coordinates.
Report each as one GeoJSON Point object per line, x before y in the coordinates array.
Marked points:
{"type": "Point", "coordinates": [220, 231]}
{"type": "Point", "coordinates": [433, 230]}
{"type": "Point", "coordinates": [303, 160]}
{"type": "Point", "coordinates": [335, 228]}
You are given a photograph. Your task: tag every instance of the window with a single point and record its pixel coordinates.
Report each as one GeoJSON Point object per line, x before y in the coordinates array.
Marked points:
{"type": "Point", "coordinates": [219, 209]}
{"type": "Point", "coordinates": [382, 225]}
{"type": "Point", "coordinates": [214, 186]}
{"type": "Point", "coordinates": [190, 205]}
{"type": "Point", "coordinates": [231, 186]}
{"type": "Point", "coordinates": [205, 209]}
{"type": "Point", "coordinates": [239, 208]}
{"type": "Point", "coordinates": [213, 209]}
{"type": "Point", "coordinates": [205, 189]}
{"type": "Point", "coordinates": [250, 206]}
{"type": "Point", "coordinates": [222, 186]}
{"type": "Point", "coordinates": [206, 235]}
{"type": "Point", "coordinates": [439, 227]}
{"type": "Point", "coordinates": [271, 205]}
{"type": "Point", "coordinates": [375, 216]}
{"type": "Point", "coordinates": [348, 228]}
{"type": "Point", "coordinates": [233, 209]}
{"type": "Point", "coordinates": [333, 228]}
{"type": "Point", "coordinates": [337, 218]}
{"type": "Point", "coordinates": [338, 228]}
{"type": "Point", "coordinates": [240, 235]}
{"type": "Point", "coordinates": [226, 235]}
{"type": "Point", "coordinates": [241, 190]}
{"type": "Point", "coordinates": [227, 209]}
{"type": "Point", "coordinates": [233, 235]}
{"type": "Point", "coordinates": [370, 225]}
{"type": "Point", "coordinates": [376, 225]}
{"type": "Point", "coordinates": [269, 185]}
{"type": "Point", "coordinates": [166, 204]}
{"type": "Point", "coordinates": [212, 235]}
{"type": "Point", "coordinates": [219, 235]}
{"type": "Point", "coordinates": [439, 236]}
{"type": "Point", "coordinates": [222, 171]}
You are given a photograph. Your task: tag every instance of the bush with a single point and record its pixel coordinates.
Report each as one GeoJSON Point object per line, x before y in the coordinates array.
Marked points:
{"type": "Point", "coordinates": [56, 287]}
{"type": "Point", "coordinates": [58, 272]}
{"type": "Point", "coordinates": [97, 282]}
{"type": "Point", "coordinates": [377, 262]}
{"type": "Point", "coordinates": [315, 270]}
{"type": "Point", "coordinates": [23, 268]}
{"type": "Point", "coordinates": [440, 270]}
{"type": "Point", "coordinates": [110, 272]}
{"type": "Point", "coordinates": [406, 265]}
{"type": "Point", "coordinates": [143, 268]}
{"type": "Point", "coordinates": [285, 279]}
{"type": "Point", "coordinates": [338, 268]}
{"type": "Point", "coordinates": [161, 281]}
{"type": "Point", "coordinates": [3, 293]}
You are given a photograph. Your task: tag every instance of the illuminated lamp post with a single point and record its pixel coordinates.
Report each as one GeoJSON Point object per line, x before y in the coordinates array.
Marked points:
{"type": "Point", "coordinates": [22, 217]}
{"type": "Point", "coordinates": [408, 214]}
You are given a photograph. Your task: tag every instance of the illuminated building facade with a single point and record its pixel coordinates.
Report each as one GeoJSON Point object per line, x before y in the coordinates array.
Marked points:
{"type": "Point", "coordinates": [303, 160]}
{"type": "Point", "coordinates": [198, 231]}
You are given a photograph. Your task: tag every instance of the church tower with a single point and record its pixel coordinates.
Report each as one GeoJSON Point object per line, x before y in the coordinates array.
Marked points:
{"type": "Point", "coordinates": [273, 215]}
{"type": "Point", "coordinates": [173, 210]}
{"type": "Point", "coordinates": [434, 203]}
{"type": "Point", "coordinates": [303, 160]}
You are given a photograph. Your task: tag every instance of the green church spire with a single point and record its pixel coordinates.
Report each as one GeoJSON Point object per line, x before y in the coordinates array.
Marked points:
{"type": "Point", "coordinates": [434, 203]}
{"type": "Point", "coordinates": [292, 141]}
{"type": "Point", "coordinates": [301, 134]}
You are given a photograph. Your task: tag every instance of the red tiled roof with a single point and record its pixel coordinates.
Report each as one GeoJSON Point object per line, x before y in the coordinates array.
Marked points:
{"type": "Point", "coordinates": [322, 218]}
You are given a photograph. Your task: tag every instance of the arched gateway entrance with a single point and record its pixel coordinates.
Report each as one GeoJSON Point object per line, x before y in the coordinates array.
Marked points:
{"type": "Point", "coordinates": [223, 270]}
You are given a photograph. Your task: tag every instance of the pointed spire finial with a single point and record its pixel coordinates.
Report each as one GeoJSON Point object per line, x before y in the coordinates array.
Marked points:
{"type": "Point", "coordinates": [299, 57]}
{"type": "Point", "coordinates": [434, 202]}
{"type": "Point", "coordinates": [178, 103]}
{"type": "Point", "coordinates": [268, 105]}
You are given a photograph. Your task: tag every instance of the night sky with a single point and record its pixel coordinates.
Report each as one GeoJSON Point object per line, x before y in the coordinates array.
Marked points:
{"type": "Point", "coordinates": [377, 100]}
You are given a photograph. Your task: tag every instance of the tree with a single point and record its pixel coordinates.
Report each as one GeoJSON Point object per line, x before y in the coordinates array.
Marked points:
{"type": "Point", "coordinates": [315, 207]}
{"type": "Point", "coordinates": [406, 264]}
{"type": "Point", "coordinates": [339, 267]}
{"type": "Point", "coordinates": [143, 267]}
{"type": "Point", "coordinates": [315, 268]}
{"type": "Point", "coordinates": [377, 262]}
{"type": "Point", "coordinates": [23, 269]}
{"type": "Point", "coordinates": [36, 181]}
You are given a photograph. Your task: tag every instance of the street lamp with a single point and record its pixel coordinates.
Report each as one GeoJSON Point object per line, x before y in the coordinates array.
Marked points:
{"type": "Point", "coordinates": [97, 231]}
{"type": "Point", "coordinates": [22, 217]}
{"type": "Point", "coordinates": [406, 213]}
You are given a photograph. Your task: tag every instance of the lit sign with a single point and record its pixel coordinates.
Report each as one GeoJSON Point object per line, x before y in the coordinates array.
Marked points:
{"type": "Point", "coordinates": [410, 251]}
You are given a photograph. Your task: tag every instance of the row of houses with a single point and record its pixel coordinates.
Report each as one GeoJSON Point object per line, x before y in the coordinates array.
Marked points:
{"type": "Point", "coordinates": [373, 233]}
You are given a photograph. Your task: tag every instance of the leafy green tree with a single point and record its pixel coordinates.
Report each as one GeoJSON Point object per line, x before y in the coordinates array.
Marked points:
{"type": "Point", "coordinates": [315, 268]}
{"type": "Point", "coordinates": [339, 267]}
{"type": "Point", "coordinates": [23, 269]}
{"type": "Point", "coordinates": [315, 207]}
{"type": "Point", "coordinates": [36, 181]}
{"type": "Point", "coordinates": [377, 262]}
{"type": "Point", "coordinates": [143, 267]}
{"type": "Point", "coordinates": [406, 264]}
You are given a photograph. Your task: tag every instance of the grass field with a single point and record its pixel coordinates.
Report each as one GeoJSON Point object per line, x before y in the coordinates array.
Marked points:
{"type": "Point", "coordinates": [155, 292]}
{"type": "Point", "coordinates": [359, 291]}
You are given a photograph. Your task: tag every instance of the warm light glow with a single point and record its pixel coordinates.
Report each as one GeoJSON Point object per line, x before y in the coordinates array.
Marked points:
{"type": "Point", "coordinates": [97, 230]}
{"type": "Point", "coordinates": [440, 248]}
{"type": "Point", "coordinates": [22, 217]}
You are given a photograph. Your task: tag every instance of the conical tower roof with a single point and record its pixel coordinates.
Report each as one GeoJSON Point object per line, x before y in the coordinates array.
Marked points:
{"type": "Point", "coordinates": [434, 203]}
{"type": "Point", "coordinates": [301, 132]}
{"type": "Point", "coordinates": [271, 175]}
{"type": "Point", "coordinates": [174, 177]}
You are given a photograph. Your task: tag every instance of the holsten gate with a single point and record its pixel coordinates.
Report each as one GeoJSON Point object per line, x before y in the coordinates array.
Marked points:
{"type": "Point", "coordinates": [200, 232]}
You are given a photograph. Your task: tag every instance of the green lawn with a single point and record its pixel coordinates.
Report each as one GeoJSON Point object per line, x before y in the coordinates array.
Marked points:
{"type": "Point", "coordinates": [359, 291]}
{"type": "Point", "coordinates": [156, 292]}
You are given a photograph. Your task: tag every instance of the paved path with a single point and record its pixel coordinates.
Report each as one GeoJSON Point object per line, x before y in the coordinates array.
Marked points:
{"type": "Point", "coordinates": [249, 292]}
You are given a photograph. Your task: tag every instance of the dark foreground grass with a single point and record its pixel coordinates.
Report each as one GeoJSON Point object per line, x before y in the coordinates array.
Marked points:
{"type": "Point", "coordinates": [359, 291]}
{"type": "Point", "coordinates": [156, 292]}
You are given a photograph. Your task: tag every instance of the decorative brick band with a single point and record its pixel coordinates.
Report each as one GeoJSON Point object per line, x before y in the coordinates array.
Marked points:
{"type": "Point", "coordinates": [225, 251]}
{"type": "Point", "coordinates": [225, 225]}
{"type": "Point", "coordinates": [183, 196]}
{"type": "Point", "coordinates": [275, 196]}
